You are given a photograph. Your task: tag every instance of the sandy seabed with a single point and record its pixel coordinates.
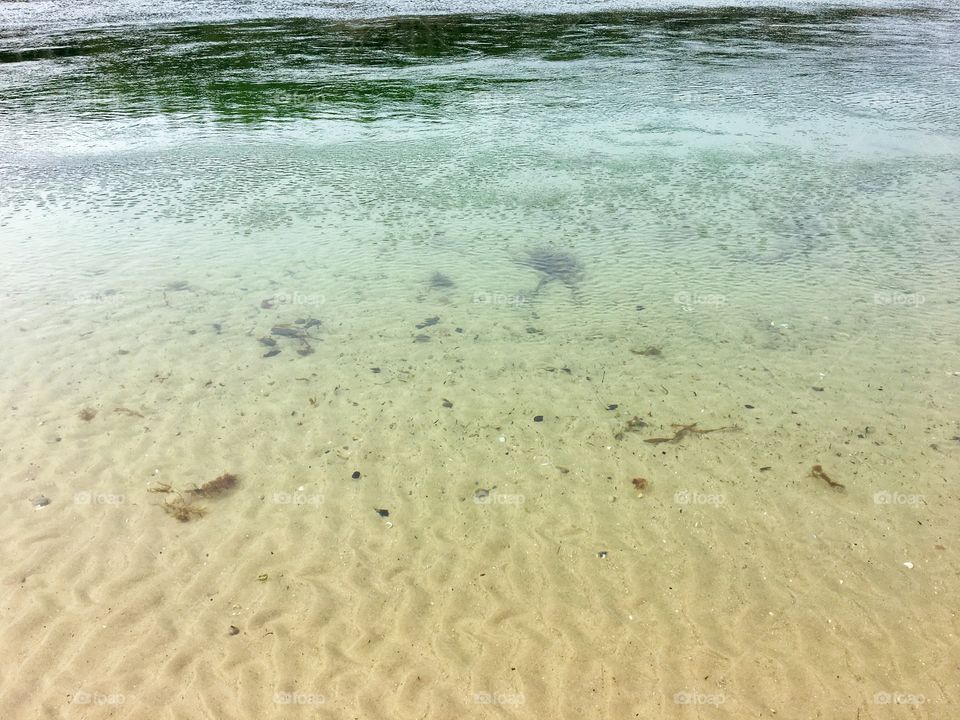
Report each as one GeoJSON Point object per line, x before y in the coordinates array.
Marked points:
{"type": "Point", "coordinates": [519, 573]}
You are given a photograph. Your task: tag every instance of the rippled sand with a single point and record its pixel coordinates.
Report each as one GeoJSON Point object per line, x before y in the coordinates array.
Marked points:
{"type": "Point", "coordinates": [748, 589]}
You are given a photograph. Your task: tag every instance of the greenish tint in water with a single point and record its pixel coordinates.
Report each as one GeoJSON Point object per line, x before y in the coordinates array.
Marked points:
{"type": "Point", "coordinates": [770, 157]}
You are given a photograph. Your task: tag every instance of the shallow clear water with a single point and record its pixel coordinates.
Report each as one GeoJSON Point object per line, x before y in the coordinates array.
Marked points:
{"type": "Point", "coordinates": [733, 216]}
{"type": "Point", "coordinates": [753, 154]}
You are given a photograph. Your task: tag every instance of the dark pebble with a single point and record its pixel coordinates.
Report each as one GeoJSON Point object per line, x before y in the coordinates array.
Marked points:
{"type": "Point", "coordinates": [422, 338]}
{"type": "Point", "coordinates": [459, 330]}
{"type": "Point", "coordinates": [40, 501]}
{"type": "Point", "coordinates": [447, 403]}
{"type": "Point", "coordinates": [818, 389]}
{"type": "Point", "coordinates": [538, 418]}
{"type": "Point", "coordinates": [602, 554]}
{"type": "Point", "coordinates": [374, 370]}
{"type": "Point", "coordinates": [268, 341]}
{"type": "Point", "coordinates": [765, 468]}
{"type": "Point", "coordinates": [356, 475]}
{"type": "Point", "coordinates": [271, 353]}
{"type": "Point", "coordinates": [612, 407]}
{"type": "Point", "coordinates": [382, 513]}
{"type": "Point", "coordinates": [749, 407]}
{"type": "Point", "coordinates": [234, 630]}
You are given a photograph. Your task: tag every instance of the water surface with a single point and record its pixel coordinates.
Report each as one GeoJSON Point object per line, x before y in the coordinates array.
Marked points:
{"type": "Point", "coordinates": [534, 239]}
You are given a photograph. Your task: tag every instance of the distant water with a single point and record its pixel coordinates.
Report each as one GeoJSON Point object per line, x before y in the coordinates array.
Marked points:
{"type": "Point", "coordinates": [57, 13]}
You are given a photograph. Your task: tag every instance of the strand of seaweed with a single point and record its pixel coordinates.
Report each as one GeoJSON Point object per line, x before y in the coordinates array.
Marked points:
{"type": "Point", "coordinates": [818, 473]}
{"type": "Point", "coordinates": [691, 429]}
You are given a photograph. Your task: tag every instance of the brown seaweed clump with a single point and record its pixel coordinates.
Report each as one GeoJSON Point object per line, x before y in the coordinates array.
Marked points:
{"type": "Point", "coordinates": [87, 414]}
{"type": "Point", "coordinates": [183, 508]}
{"type": "Point", "coordinates": [176, 505]}
{"type": "Point", "coordinates": [633, 425]}
{"type": "Point", "coordinates": [225, 482]}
